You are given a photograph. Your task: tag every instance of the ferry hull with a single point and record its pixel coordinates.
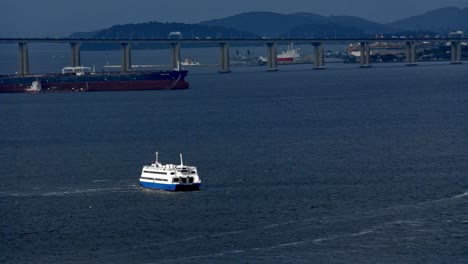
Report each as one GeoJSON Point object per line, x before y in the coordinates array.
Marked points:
{"type": "Point", "coordinates": [13, 88]}
{"type": "Point", "coordinates": [116, 86]}
{"type": "Point", "coordinates": [289, 59]}
{"type": "Point", "coordinates": [171, 187]}
{"type": "Point", "coordinates": [113, 81]}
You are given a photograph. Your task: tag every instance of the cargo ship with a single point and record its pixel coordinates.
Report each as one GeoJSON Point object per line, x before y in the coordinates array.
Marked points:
{"type": "Point", "coordinates": [82, 79]}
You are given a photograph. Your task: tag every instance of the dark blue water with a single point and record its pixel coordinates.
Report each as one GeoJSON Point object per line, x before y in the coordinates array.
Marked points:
{"type": "Point", "coordinates": [345, 165]}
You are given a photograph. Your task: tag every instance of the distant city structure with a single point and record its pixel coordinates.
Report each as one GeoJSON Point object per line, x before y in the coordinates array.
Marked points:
{"type": "Point", "coordinates": [175, 35]}
{"type": "Point", "coordinates": [456, 34]}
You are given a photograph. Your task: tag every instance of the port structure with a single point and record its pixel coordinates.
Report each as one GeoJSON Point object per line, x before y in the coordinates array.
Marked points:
{"type": "Point", "coordinates": [224, 64]}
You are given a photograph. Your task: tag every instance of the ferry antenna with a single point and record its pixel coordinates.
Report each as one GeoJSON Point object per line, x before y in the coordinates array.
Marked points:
{"type": "Point", "coordinates": [181, 161]}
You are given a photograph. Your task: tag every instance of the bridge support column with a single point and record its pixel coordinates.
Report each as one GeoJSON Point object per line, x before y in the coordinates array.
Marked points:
{"type": "Point", "coordinates": [126, 57]}
{"type": "Point", "coordinates": [319, 57]}
{"type": "Point", "coordinates": [175, 56]}
{"type": "Point", "coordinates": [272, 62]}
{"type": "Point", "coordinates": [456, 52]}
{"type": "Point", "coordinates": [23, 58]}
{"type": "Point", "coordinates": [411, 53]}
{"type": "Point", "coordinates": [365, 55]}
{"type": "Point", "coordinates": [224, 65]}
{"type": "Point", "coordinates": [75, 54]}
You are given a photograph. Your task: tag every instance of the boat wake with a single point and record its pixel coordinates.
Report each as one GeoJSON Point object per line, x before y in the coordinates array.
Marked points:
{"type": "Point", "coordinates": [95, 181]}
{"type": "Point", "coordinates": [282, 245]}
{"type": "Point", "coordinates": [465, 194]}
{"type": "Point", "coordinates": [69, 192]}
{"type": "Point", "coordinates": [75, 192]}
{"type": "Point", "coordinates": [375, 229]}
{"type": "Point", "coordinates": [221, 234]}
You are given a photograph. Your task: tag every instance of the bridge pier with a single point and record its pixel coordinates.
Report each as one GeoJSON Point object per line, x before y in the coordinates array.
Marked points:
{"type": "Point", "coordinates": [272, 63]}
{"type": "Point", "coordinates": [75, 54]}
{"type": "Point", "coordinates": [175, 56]}
{"type": "Point", "coordinates": [23, 58]}
{"type": "Point", "coordinates": [224, 65]}
{"type": "Point", "coordinates": [455, 52]}
{"type": "Point", "coordinates": [365, 55]}
{"type": "Point", "coordinates": [126, 57]}
{"type": "Point", "coordinates": [411, 53]}
{"type": "Point", "coordinates": [319, 61]}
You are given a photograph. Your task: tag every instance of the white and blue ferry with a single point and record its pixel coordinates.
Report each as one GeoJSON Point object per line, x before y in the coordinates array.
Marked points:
{"type": "Point", "coordinates": [170, 177]}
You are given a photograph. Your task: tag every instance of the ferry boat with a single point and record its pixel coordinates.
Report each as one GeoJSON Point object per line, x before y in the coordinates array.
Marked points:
{"type": "Point", "coordinates": [170, 177]}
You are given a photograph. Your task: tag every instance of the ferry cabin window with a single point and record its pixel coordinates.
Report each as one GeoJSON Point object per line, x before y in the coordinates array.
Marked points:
{"type": "Point", "coordinates": [192, 172]}
{"type": "Point", "coordinates": [175, 180]}
{"type": "Point", "coordinates": [144, 178]}
{"type": "Point", "coordinates": [156, 172]}
{"type": "Point", "coordinates": [156, 179]}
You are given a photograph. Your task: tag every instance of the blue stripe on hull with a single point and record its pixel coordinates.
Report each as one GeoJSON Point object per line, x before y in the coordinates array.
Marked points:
{"type": "Point", "coordinates": [171, 187]}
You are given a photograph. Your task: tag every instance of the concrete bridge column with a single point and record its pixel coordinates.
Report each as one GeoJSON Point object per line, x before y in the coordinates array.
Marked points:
{"type": "Point", "coordinates": [272, 63]}
{"type": "Point", "coordinates": [23, 58]}
{"type": "Point", "coordinates": [365, 55]}
{"type": "Point", "coordinates": [75, 54]}
{"type": "Point", "coordinates": [459, 52]}
{"type": "Point", "coordinates": [126, 57]}
{"type": "Point", "coordinates": [455, 52]}
{"type": "Point", "coordinates": [411, 53]}
{"type": "Point", "coordinates": [319, 56]}
{"type": "Point", "coordinates": [224, 65]}
{"type": "Point", "coordinates": [175, 56]}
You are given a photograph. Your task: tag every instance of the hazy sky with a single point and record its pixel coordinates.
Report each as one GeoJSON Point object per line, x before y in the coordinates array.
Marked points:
{"type": "Point", "coordinates": [57, 18]}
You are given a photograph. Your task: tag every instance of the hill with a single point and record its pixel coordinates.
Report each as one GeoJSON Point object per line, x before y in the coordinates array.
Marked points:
{"type": "Point", "coordinates": [368, 27]}
{"type": "Point", "coordinates": [300, 24]}
{"type": "Point", "coordinates": [266, 24]}
{"type": "Point", "coordinates": [162, 30]}
{"type": "Point", "coordinates": [441, 20]}
{"type": "Point", "coordinates": [158, 30]}
{"type": "Point", "coordinates": [295, 25]}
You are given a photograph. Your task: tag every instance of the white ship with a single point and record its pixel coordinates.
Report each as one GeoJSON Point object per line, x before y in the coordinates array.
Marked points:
{"type": "Point", "coordinates": [189, 62]}
{"type": "Point", "coordinates": [170, 177]}
{"type": "Point", "coordinates": [290, 55]}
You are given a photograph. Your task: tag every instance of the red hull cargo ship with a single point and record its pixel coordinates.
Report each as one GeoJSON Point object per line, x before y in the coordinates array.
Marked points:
{"type": "Point", "coordinates": [81, 79]}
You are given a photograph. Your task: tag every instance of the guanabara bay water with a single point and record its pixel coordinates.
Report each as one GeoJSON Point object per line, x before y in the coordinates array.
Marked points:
{"type": "Point", "coordinates": [343, 165]}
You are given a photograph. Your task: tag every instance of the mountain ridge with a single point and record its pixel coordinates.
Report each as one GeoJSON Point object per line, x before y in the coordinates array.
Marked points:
{"type": "Point", "coordinates": [439, 20]}
{"type": "Point", "coordinates": [257, 24]}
